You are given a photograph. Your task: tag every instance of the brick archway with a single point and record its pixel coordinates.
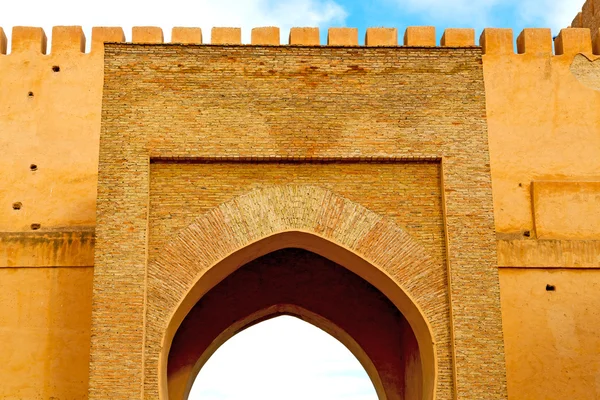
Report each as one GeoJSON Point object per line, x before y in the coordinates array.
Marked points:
{"type": "Point", "coordinates": [314, 219]}
{"type": "Point", "coordinates": [273, 311]}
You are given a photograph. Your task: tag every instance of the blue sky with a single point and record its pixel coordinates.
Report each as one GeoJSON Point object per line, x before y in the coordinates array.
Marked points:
{"type": "Point", "coordinates": [478, 14]}
{"type": "Point", "coordinates": [516, 14]}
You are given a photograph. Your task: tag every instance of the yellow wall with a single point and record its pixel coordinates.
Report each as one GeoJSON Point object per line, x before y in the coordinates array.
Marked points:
{"type": "Point", "coordinates": [57, 129]}
{"type": "Point", "coordinates": [544, 127]}
{"type": "Point", "coordinates": [45, 317]}
{"type": "Point", "coordinates": [46, 275]}
{"type": "Point", "coordinates": [551, 338]}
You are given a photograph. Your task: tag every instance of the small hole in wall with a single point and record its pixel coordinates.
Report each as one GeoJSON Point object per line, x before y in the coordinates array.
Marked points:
{"type": "Point", "coordinates": [520, 185]}
{"type": "Point", "coordinates": [17, 205]}
{"type": "Point", "coordinates": [527, 233]}
{"type": "Point", "coordinates": [33, 167]}
{"type": "Point", "coordinates": [550, 288]}
{"type": "Point", "coordinates": [30, 94]}
{"type": "Point", "coordinates": [35, 227]}
{"type": "Point", "coordinates": [56, 68]}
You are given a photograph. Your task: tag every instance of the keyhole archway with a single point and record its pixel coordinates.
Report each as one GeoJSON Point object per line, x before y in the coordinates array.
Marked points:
{"type": "Point", "coordinates": [300, 283]}
{"type": "Point", "coordinates": [283, 357]}
{"type": "Point", "coordinates": [312, 219]}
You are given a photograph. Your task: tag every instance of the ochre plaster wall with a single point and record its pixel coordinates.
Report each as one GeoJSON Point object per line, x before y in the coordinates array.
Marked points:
{"type": "Point", "coordinates": [551, 337]}
{"type": "Point", "coordinates": [45, 318]}
{"type": "Point", "coordinates": [544, 125]}
{"type": "Point", "coordinates": [46, 274]}
{"type": "Point", "coordinates": [50, 119]}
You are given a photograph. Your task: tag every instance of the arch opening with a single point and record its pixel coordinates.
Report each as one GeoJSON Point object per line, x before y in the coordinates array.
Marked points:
{"type": "Point", "coordinates": [283, 357]}
{"type": "Point", "coordinates": [299, 281]}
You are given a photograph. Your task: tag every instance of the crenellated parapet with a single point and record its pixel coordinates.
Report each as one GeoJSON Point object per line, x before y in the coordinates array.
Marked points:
{"type": "Point", "coordinates": [72, 38]}
{"type": "Point", "coordinates": [496, 41]}
{"type": "Point", "coordinates": [570, 41]}
{"type": "Point", "coordinates": [65, 39]}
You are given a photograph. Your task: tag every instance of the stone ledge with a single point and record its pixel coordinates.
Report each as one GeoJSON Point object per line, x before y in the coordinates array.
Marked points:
{"type": "Point", "coordinates": [549, 253]}
{"type": "Point", "coordinates": [47, 249]}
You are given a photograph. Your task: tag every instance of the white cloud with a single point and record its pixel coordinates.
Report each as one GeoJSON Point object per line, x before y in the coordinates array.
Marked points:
{"type": "Point", "coordinates": [555, 14]}
{"type": "Point", "coordinates": [166, 14]}
{"type": "Point", "coordinates": [466, 12]}
{"type": "Point", "coordinates": [283, 358]}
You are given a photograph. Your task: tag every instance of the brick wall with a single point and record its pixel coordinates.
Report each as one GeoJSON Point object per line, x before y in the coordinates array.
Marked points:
{"type": "Point", "coordinates": [252, 117]}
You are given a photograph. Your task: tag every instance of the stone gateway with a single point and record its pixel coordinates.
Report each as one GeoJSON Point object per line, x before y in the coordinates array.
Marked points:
{"type": "Point", "coordinates": [160, 197]}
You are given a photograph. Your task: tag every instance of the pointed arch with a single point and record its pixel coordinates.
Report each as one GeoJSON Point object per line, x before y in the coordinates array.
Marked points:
{"type": "Point", "coordinates": [305, 315]}
{"type": "Point", "coordinates": [315, 219]}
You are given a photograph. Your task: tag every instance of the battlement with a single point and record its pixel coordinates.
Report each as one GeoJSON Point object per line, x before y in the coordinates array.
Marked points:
{"type": "Point", "coordinates": [494, 41]}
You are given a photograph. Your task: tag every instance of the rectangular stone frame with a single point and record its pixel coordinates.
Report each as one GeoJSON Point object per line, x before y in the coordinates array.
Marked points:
{"type": "Point", "coordinates": [393, 103]}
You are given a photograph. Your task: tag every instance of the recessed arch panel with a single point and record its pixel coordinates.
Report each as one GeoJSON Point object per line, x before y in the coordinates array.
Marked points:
{"type": "Point", "coordinates": [314, 219]}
